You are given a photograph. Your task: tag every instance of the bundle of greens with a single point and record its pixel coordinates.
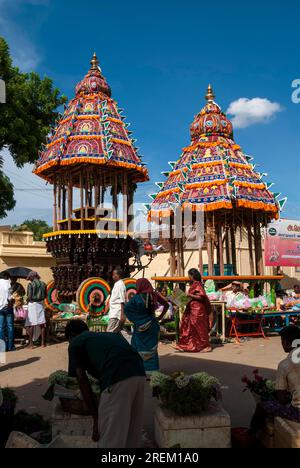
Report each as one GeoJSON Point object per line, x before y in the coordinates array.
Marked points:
{"type": "Point", "coordinates": [61, 379]}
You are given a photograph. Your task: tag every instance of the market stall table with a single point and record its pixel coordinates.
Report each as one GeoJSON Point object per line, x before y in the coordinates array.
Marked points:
{"type": "Point", "coordinates": [238, 321]}
{"type": "Point", "coordinates": [285, 315]}
{"type": "Point", "coordinates": [251, 280]}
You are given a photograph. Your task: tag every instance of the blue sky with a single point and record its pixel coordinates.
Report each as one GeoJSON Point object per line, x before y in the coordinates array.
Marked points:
{"type": "Point", "coordinates": [159, 57]}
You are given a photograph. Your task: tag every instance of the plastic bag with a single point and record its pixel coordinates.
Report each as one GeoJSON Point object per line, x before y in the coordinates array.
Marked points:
{"type": "Point", "coordinates": [210, 286]}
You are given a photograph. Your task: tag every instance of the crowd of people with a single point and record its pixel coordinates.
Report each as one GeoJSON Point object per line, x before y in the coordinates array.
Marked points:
{"type": "Point", "coordinates": [12, 307]}
{"type": "Point", "coordinates": [122, 362]}
{"type": "Point", "coordinates": [148, 309]}
{"type": "Point", "coordinates": [121, 368]}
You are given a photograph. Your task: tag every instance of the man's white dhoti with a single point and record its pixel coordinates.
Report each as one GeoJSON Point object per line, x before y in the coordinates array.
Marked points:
{"type": "Point", "coordinates": [36, 314]}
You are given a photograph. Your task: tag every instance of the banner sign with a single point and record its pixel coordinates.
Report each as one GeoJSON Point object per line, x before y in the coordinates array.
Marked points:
{"type": "Point", "coordinates": [282, 243]}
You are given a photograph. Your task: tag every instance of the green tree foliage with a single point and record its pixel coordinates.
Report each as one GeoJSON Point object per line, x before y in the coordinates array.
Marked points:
{"type": "Point", "coordinates": [7, 201]}
{"type": "Point", "coordinates": [37, 226]}
{"type": "Point", "coordinates": [31, 109]}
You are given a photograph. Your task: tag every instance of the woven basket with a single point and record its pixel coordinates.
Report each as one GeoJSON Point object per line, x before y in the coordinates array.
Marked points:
{"type": "Point", "coordinates": [77, 407]}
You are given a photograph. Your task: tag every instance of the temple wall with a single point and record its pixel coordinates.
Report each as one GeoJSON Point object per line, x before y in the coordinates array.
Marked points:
{"type": "Point", "coordinates": [19, 249]}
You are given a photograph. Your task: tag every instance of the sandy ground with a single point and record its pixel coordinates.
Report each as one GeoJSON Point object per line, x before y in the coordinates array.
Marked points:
{"type": "Point", "coordinates": [27, 371]}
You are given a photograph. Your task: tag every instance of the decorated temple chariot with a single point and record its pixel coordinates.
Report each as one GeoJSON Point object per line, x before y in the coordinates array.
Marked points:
{"type": "Point", "coordinates": [92, 162]}
{"type": "Point", "coordinates": [214, 176]}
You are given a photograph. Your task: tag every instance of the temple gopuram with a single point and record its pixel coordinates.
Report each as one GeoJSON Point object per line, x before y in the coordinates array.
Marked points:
{"type": "Point", "coordinates": [214, 176]}
{"type": "Point", "coordinates": [90, 158]}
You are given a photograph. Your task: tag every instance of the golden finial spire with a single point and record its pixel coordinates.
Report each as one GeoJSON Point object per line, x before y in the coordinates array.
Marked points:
{"type": "Point", "coordinates": [95, 62]}
{"type": "Point", "coordinates": [210, 94]}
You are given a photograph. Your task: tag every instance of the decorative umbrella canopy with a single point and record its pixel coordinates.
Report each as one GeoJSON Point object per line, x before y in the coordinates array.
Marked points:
{"type": "Point", "coordinates": [213, 173]}
{"type": "Point", "coordinates": [91, 130]}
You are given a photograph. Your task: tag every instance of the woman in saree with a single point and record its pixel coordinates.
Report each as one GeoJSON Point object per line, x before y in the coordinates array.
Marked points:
{"type": "Point", "coordinates": [140, 311]}
{"type": "Point", "coordinates": [194, 329]}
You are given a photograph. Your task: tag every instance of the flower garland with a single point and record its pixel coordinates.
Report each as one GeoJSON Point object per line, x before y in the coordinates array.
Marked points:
{"type": "Point", "coordinates": [154, 214]}
{"type": "Point", "coordinates": [90, 160]}
{"type": "Point", "coordinates": [121, 142]}
{"type": "Point", "coordinates": [240, 166]}
{"type": "Point", "coordinates": [257, 206]}
{"type": "Point", "coordinates": [249, 185]}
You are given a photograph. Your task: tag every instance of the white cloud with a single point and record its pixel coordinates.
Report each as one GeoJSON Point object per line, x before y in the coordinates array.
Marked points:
{"type": "Point", "coordinates": [248, 112]}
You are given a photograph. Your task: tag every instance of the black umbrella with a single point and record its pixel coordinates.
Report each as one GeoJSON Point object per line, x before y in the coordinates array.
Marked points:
{"type": "Point", "coordinates": [18, 272]}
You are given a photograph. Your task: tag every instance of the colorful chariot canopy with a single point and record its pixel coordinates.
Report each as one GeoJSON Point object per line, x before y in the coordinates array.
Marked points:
{"type": "Point", "coordinates": [213, 173]}
{"type": "Point", "coordinates": [92, 130]}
